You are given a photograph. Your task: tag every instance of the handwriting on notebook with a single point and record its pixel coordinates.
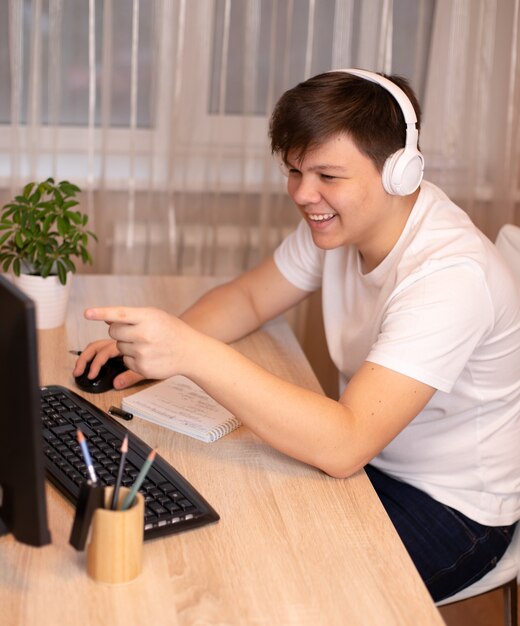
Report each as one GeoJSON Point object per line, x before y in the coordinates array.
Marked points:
{"type": "Point", "coordinates": [181, 405]}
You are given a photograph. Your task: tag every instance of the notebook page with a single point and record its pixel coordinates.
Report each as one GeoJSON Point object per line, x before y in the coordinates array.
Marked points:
{"type": "Point", "coordinates": [180, 404]}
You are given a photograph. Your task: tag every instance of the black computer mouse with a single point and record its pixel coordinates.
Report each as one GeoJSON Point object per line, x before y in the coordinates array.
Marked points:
{"type": "Point", "coordinates": [105, 379]}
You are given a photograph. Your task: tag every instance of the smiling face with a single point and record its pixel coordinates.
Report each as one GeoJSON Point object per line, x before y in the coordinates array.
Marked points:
{"type": "Point", "coordinates": [340, 194]}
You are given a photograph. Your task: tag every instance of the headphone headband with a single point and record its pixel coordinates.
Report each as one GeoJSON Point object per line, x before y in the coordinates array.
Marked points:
{"type": "Point", "coordinates": [402, 99]}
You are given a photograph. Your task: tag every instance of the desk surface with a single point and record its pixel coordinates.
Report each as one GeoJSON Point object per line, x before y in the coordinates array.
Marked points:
{"type": "Point", "coordinates": [293, 545]}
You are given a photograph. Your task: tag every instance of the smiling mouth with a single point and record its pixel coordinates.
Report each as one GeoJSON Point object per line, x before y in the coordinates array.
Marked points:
{"type": "Point", "coordinates": [320, 218]}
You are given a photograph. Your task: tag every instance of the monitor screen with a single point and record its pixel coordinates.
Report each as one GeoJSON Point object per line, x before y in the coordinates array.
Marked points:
{"type": "Point", "coordinates": [23, 510]}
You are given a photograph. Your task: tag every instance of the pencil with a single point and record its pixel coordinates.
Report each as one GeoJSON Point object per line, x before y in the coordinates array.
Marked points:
{"type": "Point", "coordinates": [86, 455]}
{"type": "Point", "coordinates": [115, 493]}
{"type": "Point", "coordinates": [139, 480]}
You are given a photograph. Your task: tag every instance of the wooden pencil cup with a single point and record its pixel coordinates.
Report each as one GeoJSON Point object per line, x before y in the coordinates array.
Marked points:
{"type": "Point", "coordinates": [114, 554]}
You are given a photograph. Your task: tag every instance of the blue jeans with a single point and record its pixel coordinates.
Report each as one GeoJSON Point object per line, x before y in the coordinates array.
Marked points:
{"type": "Point", "coordinates": [449, 550]}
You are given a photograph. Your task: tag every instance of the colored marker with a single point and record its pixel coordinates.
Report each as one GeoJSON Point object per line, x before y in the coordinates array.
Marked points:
{"type": "Point", "coordinates": [139, 480]}
{"type": "Point", "coordinates": [86, 455]}
{"type": "Point", "coordinates": [115, 493]}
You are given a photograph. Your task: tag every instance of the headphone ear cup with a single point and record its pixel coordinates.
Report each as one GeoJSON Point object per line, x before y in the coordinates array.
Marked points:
{"type": "Point", "coordinates": [403, 172]}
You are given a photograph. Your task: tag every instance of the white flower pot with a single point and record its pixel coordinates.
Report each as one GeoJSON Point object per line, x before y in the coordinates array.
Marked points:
{"type": "Point", "coordinates": [50, 296]}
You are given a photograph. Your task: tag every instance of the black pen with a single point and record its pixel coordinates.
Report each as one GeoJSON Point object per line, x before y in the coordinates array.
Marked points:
{"type": "Point", "coordinates": [115, 493]}
{"type": "Point", "coordinates": [114, 410]}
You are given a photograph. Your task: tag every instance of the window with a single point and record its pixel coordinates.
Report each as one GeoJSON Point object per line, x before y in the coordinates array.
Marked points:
{"type": "Point", "coordinates": [196, 79]}
{"type": "Point", "coordinates": [61, 73]}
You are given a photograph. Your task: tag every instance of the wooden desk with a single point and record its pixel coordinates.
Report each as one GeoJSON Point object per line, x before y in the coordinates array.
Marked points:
{"type": "Point", "coordinates": [293, 545]}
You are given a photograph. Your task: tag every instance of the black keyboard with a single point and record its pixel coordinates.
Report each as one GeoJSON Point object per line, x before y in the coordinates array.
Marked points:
{"type": "Point", "coordinates": [172, 505]}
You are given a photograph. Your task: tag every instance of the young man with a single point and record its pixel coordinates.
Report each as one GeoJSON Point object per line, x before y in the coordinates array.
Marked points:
{"type": "Point", "coordinates": [422, 319]}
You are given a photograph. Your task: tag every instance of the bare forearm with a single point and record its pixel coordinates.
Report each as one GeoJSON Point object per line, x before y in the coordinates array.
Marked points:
{"type": "Point", "coordinates": [301, 423]}
{"type": "Point", "coordinates": [235, 309]}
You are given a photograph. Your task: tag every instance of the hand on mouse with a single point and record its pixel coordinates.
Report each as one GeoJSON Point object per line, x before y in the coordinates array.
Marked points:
{"type": "Point", "coordinates": [99, 352]}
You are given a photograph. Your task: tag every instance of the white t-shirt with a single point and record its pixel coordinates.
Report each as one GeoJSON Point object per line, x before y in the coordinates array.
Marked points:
{"type": "Point", "coordinates": [442, 308]}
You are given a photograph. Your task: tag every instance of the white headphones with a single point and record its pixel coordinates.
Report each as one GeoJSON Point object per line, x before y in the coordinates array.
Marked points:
{"type": "Point", "coordinates": [403, 170]}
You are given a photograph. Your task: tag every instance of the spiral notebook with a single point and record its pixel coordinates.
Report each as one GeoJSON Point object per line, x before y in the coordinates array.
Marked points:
{"type": "Point", "coordinates": [181, 405]}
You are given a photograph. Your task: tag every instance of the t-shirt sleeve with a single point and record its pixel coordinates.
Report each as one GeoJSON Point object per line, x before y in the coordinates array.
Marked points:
{"type": "Point", "coordinates": [300, 260]}
{"type": "Point", "coordinates": [432, 325]}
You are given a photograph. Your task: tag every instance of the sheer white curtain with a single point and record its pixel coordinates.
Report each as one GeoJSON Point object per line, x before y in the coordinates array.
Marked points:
{"type": "Point", "coordinates": [158, 109]}
{"type": "Point", "coordinates": [472, 108]}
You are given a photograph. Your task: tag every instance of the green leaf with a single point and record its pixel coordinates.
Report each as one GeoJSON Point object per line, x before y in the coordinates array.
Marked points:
{"type": "Point", "coordinates": [7, 210]}
{"type": "Point", "coordinates": [46, 268]}
{"type": "Point", "coordinates": [16, 267]}
{"type": "Point", "coordinates": [62, 272]}
{"type": "Point", "coordinates": [7, 262]}
{"type": "Point", "coordinates": [68, 188]}
{"type": "Point", "coordinates": [27, 190]}
{"type": "Point", "coordinates": [69, 264]}
{"type": "Point", "coordinates": [74, 216]}
{"type": "Point", "coordinates": [35, 198]}
{"type": "Point", "coordinates": [48, 222]}
{"type": "Point", "coordinates": [58, 198]}
{"type": "Point", "coordinates": [63, 226]}
{"type": "Point", "coordinates": [18, 239]}
{"type": "Point", "coordinates": [85, 255]}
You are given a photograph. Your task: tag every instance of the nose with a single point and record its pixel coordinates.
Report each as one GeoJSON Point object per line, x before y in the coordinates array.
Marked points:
{"type": "Point", "coordinates": [303, 189]}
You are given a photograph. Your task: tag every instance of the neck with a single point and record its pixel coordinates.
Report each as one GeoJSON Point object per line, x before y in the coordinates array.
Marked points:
{"type": "Point", "coordinates": [388, 233]}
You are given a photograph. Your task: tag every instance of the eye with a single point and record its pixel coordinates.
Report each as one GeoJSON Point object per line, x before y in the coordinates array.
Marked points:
{"type": "Point", "coordinates": [327, 177]}
{"type": "Point", "coordinates": [287, 170]}
{"type": "Point", "coordinates": [291, 172]}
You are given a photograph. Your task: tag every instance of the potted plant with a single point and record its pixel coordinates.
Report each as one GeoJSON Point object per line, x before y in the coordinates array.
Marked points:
{"type": "Point", "coordinates": [40, 234]}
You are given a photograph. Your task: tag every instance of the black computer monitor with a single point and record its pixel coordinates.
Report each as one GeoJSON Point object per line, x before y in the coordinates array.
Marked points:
{"type": "Point", "coordinates": [23, 510]}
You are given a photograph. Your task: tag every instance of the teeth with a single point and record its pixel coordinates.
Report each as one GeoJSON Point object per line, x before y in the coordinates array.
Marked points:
{"type": "Point", "coordinates": [321, 218]}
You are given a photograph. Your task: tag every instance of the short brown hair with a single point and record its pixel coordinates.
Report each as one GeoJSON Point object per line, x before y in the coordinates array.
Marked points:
{"type": "Point", "coordinates": [340, 103]}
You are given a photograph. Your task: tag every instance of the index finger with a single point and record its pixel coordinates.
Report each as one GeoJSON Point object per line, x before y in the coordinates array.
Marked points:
{"type": "Point", "coordinates": [124, 314]}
